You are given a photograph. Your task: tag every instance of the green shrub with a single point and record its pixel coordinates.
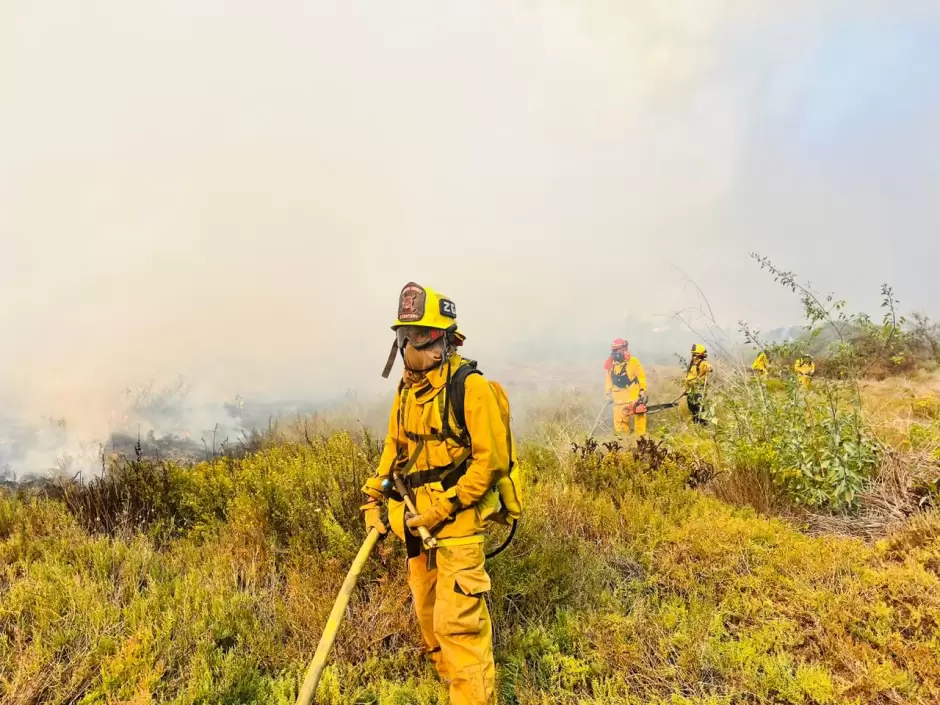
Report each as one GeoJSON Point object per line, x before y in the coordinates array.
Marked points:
{"type": "Point", "coordinates": [813, 444]}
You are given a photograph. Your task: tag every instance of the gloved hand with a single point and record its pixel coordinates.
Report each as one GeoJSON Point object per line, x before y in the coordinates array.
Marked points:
{"type": "Point", "coordinates": [434, 515]}
{"type": "Point", "coordinates": [643, 399]}
{"type": "Point", "coordinates": [372, 514]}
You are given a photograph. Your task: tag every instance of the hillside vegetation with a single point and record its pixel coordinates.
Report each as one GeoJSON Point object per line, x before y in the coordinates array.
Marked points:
{"type": "Point", "coordinates": [788, 553]}
{"type": "Point", "coordinates": [629, 582]}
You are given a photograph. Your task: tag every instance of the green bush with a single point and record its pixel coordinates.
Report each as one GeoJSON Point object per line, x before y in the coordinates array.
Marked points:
{"type": "Point", "coordinates": [814, 444]}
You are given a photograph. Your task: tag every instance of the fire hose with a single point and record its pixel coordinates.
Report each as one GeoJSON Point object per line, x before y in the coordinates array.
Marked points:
{"type": "Point", "coordinates": [315, 669]}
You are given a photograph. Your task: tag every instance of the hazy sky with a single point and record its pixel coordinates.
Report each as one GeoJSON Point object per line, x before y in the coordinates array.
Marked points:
{"type": "Point", "coordinates": [236, 191]}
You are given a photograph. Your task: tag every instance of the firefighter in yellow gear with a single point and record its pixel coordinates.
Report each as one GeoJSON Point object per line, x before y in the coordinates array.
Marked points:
{"type": "Point", "coordinates": [626, 387]}
{"type": "Point", "coordinates": [805, 368]}
{"type": "Point", "coordinates": [760, 365]}
{"type": "Point", "coordinates": [453, 486]}
{"type": "Point", "coordinates": [696, 383]}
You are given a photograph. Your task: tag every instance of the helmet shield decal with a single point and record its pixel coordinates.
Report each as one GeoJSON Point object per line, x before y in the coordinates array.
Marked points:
{"type": "Point", "coordinates": [411, 303]}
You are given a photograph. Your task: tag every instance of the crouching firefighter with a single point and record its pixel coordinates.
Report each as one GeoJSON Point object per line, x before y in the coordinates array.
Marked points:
{"type": "Point", "coordinates": [450, 449]}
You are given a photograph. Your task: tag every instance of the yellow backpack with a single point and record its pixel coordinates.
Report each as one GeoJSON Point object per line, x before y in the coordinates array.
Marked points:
{"type": "Point", "coordinates": [509, 485]}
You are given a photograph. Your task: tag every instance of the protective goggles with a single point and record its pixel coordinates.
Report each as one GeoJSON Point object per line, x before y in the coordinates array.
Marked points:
{"type": "Point", "coordinates": [418, 336]}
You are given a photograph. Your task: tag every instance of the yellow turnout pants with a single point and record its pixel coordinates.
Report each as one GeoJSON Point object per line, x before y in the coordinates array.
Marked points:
{"type": "Point", "coordinates": [624, 420]}
{"type": "Point", "coordinates": [455, 620]}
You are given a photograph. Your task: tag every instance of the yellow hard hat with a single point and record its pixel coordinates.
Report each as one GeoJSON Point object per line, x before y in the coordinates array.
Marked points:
{"type": "Point", "coordinates": [424, 315]}
{"type": "Point", "coordinates": [423, 306]}
{"type": "Point", "coordinates": [699, 350]}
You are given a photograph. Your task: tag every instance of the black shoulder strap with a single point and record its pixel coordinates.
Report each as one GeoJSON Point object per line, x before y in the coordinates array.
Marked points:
{"type": "Point", "coordinates": [458, 390]}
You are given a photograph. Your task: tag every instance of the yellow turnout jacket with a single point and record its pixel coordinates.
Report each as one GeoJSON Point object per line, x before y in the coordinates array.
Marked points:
{"type": "Point", "coordinates": [415, 428]}
{"type": "Point", "coordinates": [697, 375]}
{"type": "Point", "coordinates": [632, 375]}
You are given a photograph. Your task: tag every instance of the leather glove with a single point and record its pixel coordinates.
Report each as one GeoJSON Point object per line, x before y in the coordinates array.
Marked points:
{"type": "Point", "coordinates": [643, 399]}
{"type": "Point", "coordinates": [372, 515]}
{"type": "Point", "coordinates": [434, 515]}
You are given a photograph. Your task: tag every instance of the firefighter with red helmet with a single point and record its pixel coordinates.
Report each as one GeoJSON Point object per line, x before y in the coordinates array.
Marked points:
{"type": "Point", "coordinates": [626, 387]}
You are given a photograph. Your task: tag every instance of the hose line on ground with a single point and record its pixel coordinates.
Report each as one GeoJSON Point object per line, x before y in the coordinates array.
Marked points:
{"type": "Point", "coordinates": [315, 670]}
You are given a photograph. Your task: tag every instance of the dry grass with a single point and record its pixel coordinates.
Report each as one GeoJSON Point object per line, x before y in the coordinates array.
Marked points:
{"type": "Point", "coordinates": [895, 404]}
{"type": "Point", "coordinates": [896, 494]}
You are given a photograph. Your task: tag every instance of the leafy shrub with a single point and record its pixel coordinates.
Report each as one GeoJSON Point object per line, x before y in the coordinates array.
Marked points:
{"type": "Point", "coordinates": [814, 445]}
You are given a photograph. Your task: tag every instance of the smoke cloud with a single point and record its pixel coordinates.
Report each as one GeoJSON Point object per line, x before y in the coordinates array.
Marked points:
{"type": "Point", "coordinates": [236, 191]}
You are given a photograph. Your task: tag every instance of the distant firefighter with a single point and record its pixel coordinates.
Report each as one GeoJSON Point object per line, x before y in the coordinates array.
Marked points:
{"type": "Point", "coordinates": [696, 382]}
{"type": "Point", "coordinates": [760, 365]}
{"type": "Point", "coordinates": [805, 368]}
{"type": "Point", "coordinates": [626, 387]}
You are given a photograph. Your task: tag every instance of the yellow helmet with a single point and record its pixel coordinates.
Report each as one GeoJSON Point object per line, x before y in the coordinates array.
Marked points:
{"type": "Point", "coordinates": [424, 316]}
{"type": "Point", "coordinates": [423, 306]}
{"type": "Point", "coordinates": [699, 350]}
